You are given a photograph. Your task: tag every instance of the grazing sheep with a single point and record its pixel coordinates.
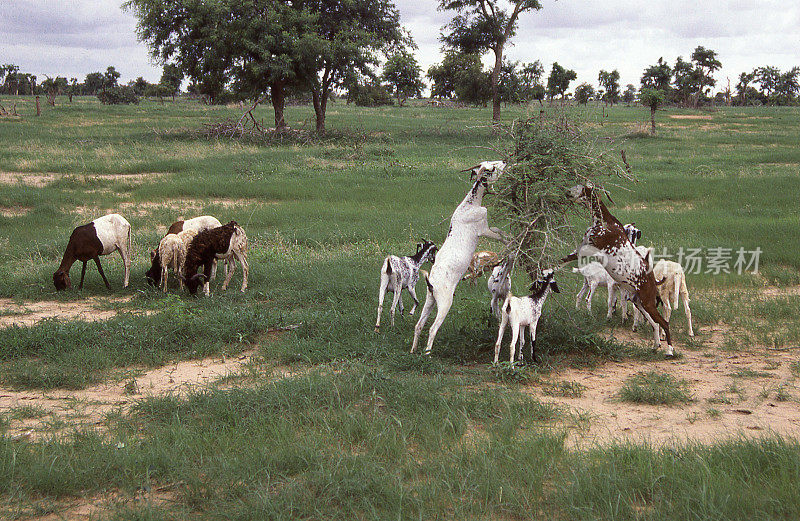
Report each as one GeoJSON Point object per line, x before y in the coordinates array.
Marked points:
{"type": "Point", "coordinates": [524, 311]}
{"type": "Point", "coordinates": [172, 254]}
{"type": "Point", "coordinates": [198, 224]}
{"type": "Point", "coordinates": [102, 236]}
{"type": "Point", "coordinates": [606, 239]}
{"type": "Point", "coordinates": [594, 275]}
{"type": "Point", "coordinates": [482, 261]}
{"type": "Point", "coordinates": [209, 245]}
{"type": "Point", "coordinates": [499, 285]}
{"type": "Point", "coordinates": [398, 273]}
{"type": "Point", "coordinates": [468, 223]}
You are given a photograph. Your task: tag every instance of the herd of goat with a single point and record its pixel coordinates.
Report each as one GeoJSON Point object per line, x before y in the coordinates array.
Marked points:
{"type": "Point", "coordinates": [625, 269]}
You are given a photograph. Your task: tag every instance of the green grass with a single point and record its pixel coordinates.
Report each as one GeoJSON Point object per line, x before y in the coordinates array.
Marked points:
{"type": "Point", "coordinates": [564, 389]}
{"type": "Point", "coordinates": [654, 388]}
{"type": "Point", "coordinates": [369, 431]}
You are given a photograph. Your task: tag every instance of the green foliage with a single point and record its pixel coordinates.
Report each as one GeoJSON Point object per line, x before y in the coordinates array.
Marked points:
{"type": "Point", "coordinates": [549, 156]}
{"type": "Point", "coordinates": [610, 83]}
{"type": "Point", "coordinates": [402, 72]}
{"type": "Point", "coordinates": [559, 80]}
{"type": "Point", "coordinates": [583, 93]}
{"type": "Point", "coordinates": [658, 76]}
{"type": "Point", "coordinates": [461, 75]}
{"type": "Point", "coordinates": [369, 95]}
{"type": "Point", "coordinates": [121, 95]}
{"type": "Point", "coordinates": [655, 388]}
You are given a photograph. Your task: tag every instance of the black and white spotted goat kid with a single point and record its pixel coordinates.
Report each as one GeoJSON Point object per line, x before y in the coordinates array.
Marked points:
{"type": "Point", "coordinates": [398, 273]}
{"type": "Point", "coordinates": [524, 311]}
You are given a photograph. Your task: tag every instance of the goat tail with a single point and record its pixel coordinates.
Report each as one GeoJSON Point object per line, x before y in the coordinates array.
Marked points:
{"type": "Point", "coordinates": [427, 282]}
{"type": "Point", "coordinates": [387, 266]}
{"type": "Point", "coordinates": [507, 304]}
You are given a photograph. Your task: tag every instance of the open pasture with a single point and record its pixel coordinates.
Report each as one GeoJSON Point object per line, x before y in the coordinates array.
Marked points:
{"type": "Point", "coordinates": [128, 404]}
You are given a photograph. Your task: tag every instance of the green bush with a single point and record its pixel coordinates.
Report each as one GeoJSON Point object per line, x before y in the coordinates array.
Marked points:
{"type": "Point", "coordinates": [369, 95]}
{"type": "Point", "coordinates": [122, 95]}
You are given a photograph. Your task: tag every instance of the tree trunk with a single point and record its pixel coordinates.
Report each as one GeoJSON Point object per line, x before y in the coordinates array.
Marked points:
{"type": "Point", "coordinates": [653, 120]}
{"type": "Point", "coordinates": [498, 64]}
{"type": "Point", "coordinates": [277, 94]}
{"type": "Point", "coordinates": [38, 109]}
{"type": "Point", "coordinates": [319, 109]}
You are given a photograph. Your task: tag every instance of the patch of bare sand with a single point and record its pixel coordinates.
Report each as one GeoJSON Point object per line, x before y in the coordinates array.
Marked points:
{"type": "Point", "coordinates": [183, 207]}
{"type": "Point", "coordinates": [716, 413]}
{"type": "Point", "coordinates": [777, 292]}
{"type": "Point", "coordinates": [14, 211]}
{"type": "Point", "coordinates": [661, 206]}
{"type": "Point", "coordinates": [89, 407]}
{"type": "Point", "coordinates": [690, 116]}
{"type": "Point", "coordinates": [42, 179]}
{"type": "Point", "coordinates": [94, 507]}
{"type": "Point", "coordinates": [37, 180]}
{"type": "Point", "coordinates": [27, 314]}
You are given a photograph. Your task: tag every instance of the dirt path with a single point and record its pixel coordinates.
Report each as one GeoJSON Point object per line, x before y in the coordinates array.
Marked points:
{"type": "Point", "coordinates": [90, 310]}
{"type": "Point", "coordinates": [750, 393]}
{"type": "Point", "coordinates": [89, 407]}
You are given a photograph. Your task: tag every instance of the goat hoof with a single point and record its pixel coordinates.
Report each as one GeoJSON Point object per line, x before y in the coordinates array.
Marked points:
{"type": "Point", "coordinates": [377, 329]}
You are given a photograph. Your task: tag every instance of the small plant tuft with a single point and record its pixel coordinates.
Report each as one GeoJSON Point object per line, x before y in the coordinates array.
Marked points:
{"type": "Point", "coordinates": [654, 388]}
{"type": "Point", "coordinates": [564, 389]}
{"type": "Point", "coordinates": [508, 372]}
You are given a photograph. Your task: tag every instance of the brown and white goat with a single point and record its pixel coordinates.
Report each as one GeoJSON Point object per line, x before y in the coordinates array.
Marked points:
{"type": "Point", "coordinates": [198, 224]}
{"type": "Point", "coordinates": [225, 242]}
{"type": "Point", "coordinates": [607, 241]}
{"type": "Point", "coordinates": [102, 236]}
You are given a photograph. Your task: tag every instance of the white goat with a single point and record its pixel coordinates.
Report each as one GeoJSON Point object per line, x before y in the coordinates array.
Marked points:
{"type": "Point", "coordinates": [172, 254]}
{"type": "Point", "coordinates": [499, 285]}
{"type": "Point", "coordinates": [524, 311]}
{"type": "Point", "coordinates": [102, 236]}
{"type": "Point", "coordinates": [594, 275]}
{"type": "Point", "coordinates": [398, 273]}
{"type": "Point", "coordinates": [468, 223]}
{"type": "Point", "coordinates": [674, 287]}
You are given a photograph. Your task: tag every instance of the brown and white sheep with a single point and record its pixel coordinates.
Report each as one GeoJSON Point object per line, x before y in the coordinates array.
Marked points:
{"type": "Point", "coordinates": [224, 242]}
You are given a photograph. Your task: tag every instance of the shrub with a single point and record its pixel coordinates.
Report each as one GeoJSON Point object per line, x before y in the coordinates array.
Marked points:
{"type": "Point", "coordinates": [369, 95]}
{"type": "Point", "coordinates": [122, 95]}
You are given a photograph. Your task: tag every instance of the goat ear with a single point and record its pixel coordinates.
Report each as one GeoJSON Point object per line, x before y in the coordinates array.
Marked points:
{"type": "Point", "coordinates": [152, 254]}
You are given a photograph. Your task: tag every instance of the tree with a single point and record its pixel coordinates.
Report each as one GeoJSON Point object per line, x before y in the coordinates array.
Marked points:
{"type": "Point", "coordinates": [403, 73]}
{"type": "Point", "coordinates": [768, 78]}
{"type": "Point", "coordinates": [110, 78]}
{"type": "Point", "coordinates": [171, 78]}
{"type": "Point", "coordinates": [788, 85]}
{"type": "Point", "coordinates": [610, 82]}
{"type": "Point", "coordinates": [707, 63]}
{"type": "Point", "coordinates": [583, 93]}
{"type": "Point", "coordinates": [12, 78]}
{"type": "Point", "coordinates": [652, 98]}
{"type": "Point", "coordinates": [559, 80]}
{"type": "Point", "coordinates": [140, 86]}
{"type": "Point", "coordinates": [531, 81]}
{"type": "Point", "coordinates": [72, 90]}
{"type": "Point", "coordinates": [658, 76]}
{"type": "Point", "coordinates": [54, 87]}
{"type": "Point", "coordinates": [630, 94]}
{"type": "Point", "coordinates": [93, 83]}
{"type": "Point", "coordinates": [483, 25]}
{"type": "Point", "coordinates": [745, 79]}
{"type": "Point", "coordinates": [687, 80]}
{"type": "Point", "coordinates": [444, 76]}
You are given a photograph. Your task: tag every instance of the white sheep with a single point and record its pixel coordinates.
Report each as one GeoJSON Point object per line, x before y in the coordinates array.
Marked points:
{"type": "Point", "coordinates": [172, 254]}
{"type": "Point", "coordinates": [524, 311]}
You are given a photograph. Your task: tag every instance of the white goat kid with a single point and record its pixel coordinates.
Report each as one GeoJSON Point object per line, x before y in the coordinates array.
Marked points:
{"type": "Point", "coordinates": [398, 273]}
{"type": "Point", "coordinates": [673, 289]}
{"type": "Point", "coordinates": [594, 276]}
{"type": "Point", "coordinates": [468, 223]}
{"type": "Point", "coordinates": [522, 312]}
{"type": "Point", "coordinates": [499, 285]}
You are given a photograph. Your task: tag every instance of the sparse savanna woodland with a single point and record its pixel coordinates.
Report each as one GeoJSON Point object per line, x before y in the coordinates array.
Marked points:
{"type": "Point", "coordinates": [281, 402]}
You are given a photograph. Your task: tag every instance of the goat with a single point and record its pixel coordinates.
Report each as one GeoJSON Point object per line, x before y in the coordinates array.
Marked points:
{"type": "Point", "coordinates": [594, 275]}
{"type": "Point", "coordinates": [398, 273]}
{"type": "Point", "coordinates": [633, 233]}
{"type": "Point", "coordinates": [468, 223]}
{"type": "Point", "coordinates": [222, 242]}
{"type": "Point", "coordinates": [606, 239]}
{"type": "Point", "coordinates": [673, 289]}
{"type": "Point", "coordinates": [499, 285]}
{"type": "Point", "coordinates": [172, 254]}
{"type": "Point", "coordinates": [481, 262]}
{"type": "Point", "coordinates": [102, 236]}
{"type": "Point", "coordinates": [198, 224]}
{"type": "Point", "coordinates": [524, 311]}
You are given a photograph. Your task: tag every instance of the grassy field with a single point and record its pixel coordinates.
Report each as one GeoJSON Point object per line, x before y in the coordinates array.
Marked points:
{"type": "Point", "coordinates": [366, 430]}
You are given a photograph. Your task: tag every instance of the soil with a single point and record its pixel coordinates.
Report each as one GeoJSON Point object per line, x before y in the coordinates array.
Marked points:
{"type": "Point", "coordinates": [40, 180]}
{"type": "Point", "coordinates": [90, 310]}
{"type": "Point", "coordinates": [689, 116]}
{"type": "Point", "coordinates": [14, 211]}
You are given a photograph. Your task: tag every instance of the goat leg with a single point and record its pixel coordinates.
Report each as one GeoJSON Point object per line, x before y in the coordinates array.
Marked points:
{"type": "Point", "coordinates": [100, 269]}
{"type": "Point", "coordinates": [83, 274]}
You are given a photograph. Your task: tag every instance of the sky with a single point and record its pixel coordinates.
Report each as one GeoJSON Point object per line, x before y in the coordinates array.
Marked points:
{"type": "Point", "coordinates": [75, 37]}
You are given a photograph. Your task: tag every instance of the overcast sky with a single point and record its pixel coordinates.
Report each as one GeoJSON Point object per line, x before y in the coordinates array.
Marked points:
{"type": "Point", "coordinates": [75, 37]}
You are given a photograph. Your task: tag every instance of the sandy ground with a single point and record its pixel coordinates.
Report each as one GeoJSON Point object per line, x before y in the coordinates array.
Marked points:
{"type": "Point", "coordinates": [90, 310]}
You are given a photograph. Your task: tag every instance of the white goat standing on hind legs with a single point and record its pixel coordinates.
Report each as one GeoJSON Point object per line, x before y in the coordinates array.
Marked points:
{"type": "Point", "coordinates": [468, 223]}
